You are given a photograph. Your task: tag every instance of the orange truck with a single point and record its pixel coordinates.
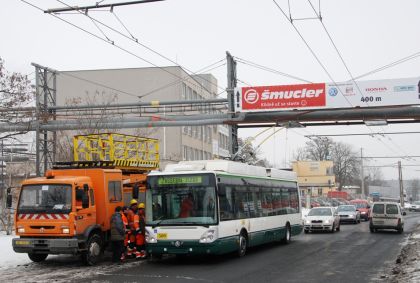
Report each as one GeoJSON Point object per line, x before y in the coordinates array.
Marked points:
{"type": "Point", "coordinates": [68, 211]}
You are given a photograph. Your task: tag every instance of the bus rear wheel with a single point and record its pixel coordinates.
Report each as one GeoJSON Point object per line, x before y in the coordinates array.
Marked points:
{"type": "Point", "coordinates": [288, 235]}
{"type": "Point", "coordinates": [243, 244]}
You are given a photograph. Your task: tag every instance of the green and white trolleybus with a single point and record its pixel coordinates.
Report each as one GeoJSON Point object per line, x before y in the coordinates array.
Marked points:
{"type": "Point", "coordinates": [218, 206]}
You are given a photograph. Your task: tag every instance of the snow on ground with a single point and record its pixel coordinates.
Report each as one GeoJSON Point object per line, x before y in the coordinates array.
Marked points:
{"type": "Point", "coordinates": [407, 266]}
{"type": "Point", "coordinates": [8, 257]}
{"type": "Point", "coordinates": [17, 267]}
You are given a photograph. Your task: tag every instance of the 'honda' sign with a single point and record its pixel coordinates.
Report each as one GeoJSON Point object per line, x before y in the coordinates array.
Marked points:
{"type": "Point", "coordinates": [284, 96]}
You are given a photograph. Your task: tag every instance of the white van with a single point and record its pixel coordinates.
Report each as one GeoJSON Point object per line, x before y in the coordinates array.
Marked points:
{"type": "Point", "coordinates": [386, 215]}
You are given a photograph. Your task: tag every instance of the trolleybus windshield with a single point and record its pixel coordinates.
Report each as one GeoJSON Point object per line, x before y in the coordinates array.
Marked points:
{"type": "Point", "coordinates": [181, 200]}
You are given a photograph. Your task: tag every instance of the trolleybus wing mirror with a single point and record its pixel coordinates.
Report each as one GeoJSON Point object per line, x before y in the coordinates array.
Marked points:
{"type": "Point", "coordinates": [221, 191]}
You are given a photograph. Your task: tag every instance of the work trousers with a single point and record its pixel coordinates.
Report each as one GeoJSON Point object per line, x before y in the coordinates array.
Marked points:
{"type": "Point", "coordinates": [117, 250]}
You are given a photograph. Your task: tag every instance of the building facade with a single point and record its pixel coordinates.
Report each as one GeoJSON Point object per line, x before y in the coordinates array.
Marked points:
{"type": "Point", "coordinates": [135, 85]}
{"type": "Point", "coordinates": [315, 178]}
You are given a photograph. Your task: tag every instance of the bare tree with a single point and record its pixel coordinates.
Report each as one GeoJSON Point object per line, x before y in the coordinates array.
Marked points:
{"type": "Point", "coordinates": [250, 154]}
{"type": "Point", "coordinates": [415, 188]}
{"type": "Point", "coordinates": [346, 164]}
{"type": "Point", "coordinates": [15, 90]}
{"type": "Point", "coordinates": [90, 117]}
{"type": "Point", "coordinates": [318, 149]}
{"type": "Point", "coordinates": [345, 159]}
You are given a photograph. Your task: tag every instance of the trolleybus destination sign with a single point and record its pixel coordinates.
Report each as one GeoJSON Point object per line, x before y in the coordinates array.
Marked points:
{"type": "Point", "coordinates": [349, 94]}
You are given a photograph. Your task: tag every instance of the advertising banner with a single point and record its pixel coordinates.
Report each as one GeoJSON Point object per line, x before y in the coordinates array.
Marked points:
{"type": "Point", "coordinates": [378, 93]}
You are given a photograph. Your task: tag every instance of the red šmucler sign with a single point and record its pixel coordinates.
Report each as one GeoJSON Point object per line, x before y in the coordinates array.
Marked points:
{"type": "Point", "coordinates": [262, 98]}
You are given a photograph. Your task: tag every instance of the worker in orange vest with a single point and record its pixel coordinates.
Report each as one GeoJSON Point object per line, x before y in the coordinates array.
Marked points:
{"type": "Point", "coordinates": [124, 213]}
{"type": "Point", "coordinates": [140, 225]}
{"type": "Point", "coordinates": [131, 243]}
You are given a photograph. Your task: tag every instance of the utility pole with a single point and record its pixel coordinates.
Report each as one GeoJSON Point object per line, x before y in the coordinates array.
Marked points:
{"type": "Point", "coordinates": [362, 173]}
{"type": "Point", "coordinates": [400, 179]}
{"type": "Point", "coordinates": [231, 84]}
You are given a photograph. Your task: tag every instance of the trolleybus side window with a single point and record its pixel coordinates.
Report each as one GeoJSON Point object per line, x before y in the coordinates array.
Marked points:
{"type": "Point", "coordinates": [226, 203]}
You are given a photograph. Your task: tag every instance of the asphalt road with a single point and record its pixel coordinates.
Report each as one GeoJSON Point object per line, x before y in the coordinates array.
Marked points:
{"type": "Point", "coordinates": [351, 255]}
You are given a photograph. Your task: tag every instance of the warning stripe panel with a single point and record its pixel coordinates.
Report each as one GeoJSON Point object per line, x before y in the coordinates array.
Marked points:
{"type": "Point", "coordinates": [43, 216]}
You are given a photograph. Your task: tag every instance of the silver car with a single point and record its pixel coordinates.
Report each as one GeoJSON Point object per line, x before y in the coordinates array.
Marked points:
{"type": "Point", "coordinates": [322, 219]}
{"type": "Point", "coordinates": [348, 213]}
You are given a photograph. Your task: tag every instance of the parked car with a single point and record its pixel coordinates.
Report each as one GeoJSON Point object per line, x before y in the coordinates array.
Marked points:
{"type": "Point", "coordinates": [322, 219]}
{"type": "Point", "coordinates": [386, 215]}
{"type": "Point", "coordinates": [415, 206]}
{"type": "Point", "coordinates": [363, 206]}
{"type": "Point", "coordinates": [348, 213]}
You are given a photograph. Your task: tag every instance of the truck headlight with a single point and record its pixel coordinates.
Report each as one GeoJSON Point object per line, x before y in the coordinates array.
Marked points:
{"type": "Point", "coordinates": [208, 237]}
{"type": "Point", "coordinates": [65, 230]}
{"type": "Point", "coordinates": [20, 229]}
{"type": "Point", "coordinates": [150, 239]}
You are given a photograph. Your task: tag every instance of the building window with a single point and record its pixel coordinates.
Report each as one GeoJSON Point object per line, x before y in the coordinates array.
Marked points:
{"type": "Point", "coordinates": [184, 91]}
{"type": "Point", "coordinates": [189, 93]}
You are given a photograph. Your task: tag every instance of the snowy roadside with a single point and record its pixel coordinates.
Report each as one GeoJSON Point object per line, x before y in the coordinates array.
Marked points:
{"type": "Point", "coordinates": [407, 265]}
{"type": "Point", "coordinates": [16, 267]}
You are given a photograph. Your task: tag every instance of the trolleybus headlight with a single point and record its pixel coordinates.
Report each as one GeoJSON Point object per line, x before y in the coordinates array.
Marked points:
{"type": "Point", "coordinates": [208, 237]}
{"type": "Point", "coordinates": [150, 239]}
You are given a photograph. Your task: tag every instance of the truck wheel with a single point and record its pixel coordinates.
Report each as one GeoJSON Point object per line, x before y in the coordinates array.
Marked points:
{"type": "Point", "coordinates": [37, 257]}
{"type": "Point", "coordinates": [94, 250]}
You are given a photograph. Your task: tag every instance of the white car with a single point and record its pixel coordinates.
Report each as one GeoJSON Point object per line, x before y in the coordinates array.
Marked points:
{"type": "Point", "coordinates": [386, 215]}
{"type": "Point", "coordinates": [322, 219]}
{"type": "Point", "coordinates": [415, 206]}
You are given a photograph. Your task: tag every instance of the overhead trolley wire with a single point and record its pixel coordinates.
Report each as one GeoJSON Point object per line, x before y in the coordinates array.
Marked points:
{"type": "Point", "coordinates": [268, 69]}
{"type": "Point", "coordinates": [346, 67]}
{"type": "Point", "coordinates": [137, 42]}
{"type": "Point", "coordinates": [311, 51]}
{"type": "Point", "coordinates": [392, 64]}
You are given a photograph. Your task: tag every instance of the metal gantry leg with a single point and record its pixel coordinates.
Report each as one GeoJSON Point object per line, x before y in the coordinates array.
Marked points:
{"type": "Point", "coordinates": [46, 96]}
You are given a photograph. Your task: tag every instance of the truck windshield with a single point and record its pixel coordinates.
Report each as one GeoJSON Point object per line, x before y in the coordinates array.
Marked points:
{"type": "Point", "coordinates": [181, 200]}
{"type": "Point", "coordinates": [53, 198]}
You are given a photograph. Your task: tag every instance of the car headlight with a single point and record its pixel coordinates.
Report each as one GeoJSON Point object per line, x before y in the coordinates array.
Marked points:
{"type": "Point", "coordinates": [327, 221]}
{"type": "Point", "coordinates": [308, 221]}
{"type": "Point", "coordinates": [208, 237]}
{"type": "Point", "coordinates": [363, 212]}
{"type": "Point", "coordinates": [351, 215]}
{"type": "Point", "coordinates": [150, 239]}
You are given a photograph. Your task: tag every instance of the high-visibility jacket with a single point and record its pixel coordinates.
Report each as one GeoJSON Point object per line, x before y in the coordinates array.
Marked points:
{"type": "Point", "coordinates": [130, 219]}
{"type": "Point", "coordinates": [124, 220]}
{"type": "Point", "coordinates": [136, 222]}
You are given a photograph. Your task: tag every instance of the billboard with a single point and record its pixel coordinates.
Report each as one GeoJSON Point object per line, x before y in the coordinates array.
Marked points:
{"type": "Point", "coordinates": [378, 93]}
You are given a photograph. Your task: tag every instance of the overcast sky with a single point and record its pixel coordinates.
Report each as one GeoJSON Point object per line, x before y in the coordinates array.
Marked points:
{"type": "Point", "coordinates": [197, 33]}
